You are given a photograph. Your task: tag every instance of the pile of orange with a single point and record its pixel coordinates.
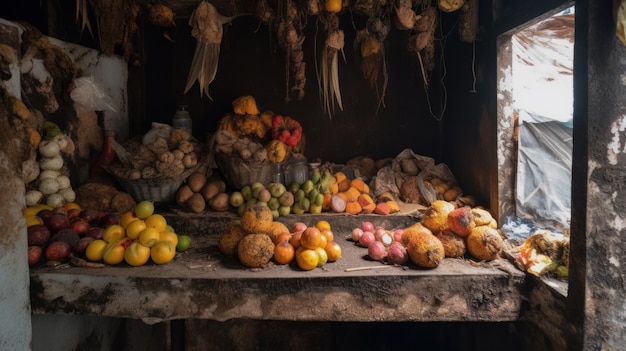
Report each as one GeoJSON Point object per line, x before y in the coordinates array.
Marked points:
{"type": "Point", "coordinates": [311, 247]}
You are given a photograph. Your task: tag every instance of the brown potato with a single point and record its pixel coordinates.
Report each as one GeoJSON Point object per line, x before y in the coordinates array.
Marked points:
{"type": "Point", "coordinates": [196, 203]}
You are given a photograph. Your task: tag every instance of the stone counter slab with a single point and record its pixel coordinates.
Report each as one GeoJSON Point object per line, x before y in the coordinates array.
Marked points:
{"type": "Point", "coordinates": [201, 283]}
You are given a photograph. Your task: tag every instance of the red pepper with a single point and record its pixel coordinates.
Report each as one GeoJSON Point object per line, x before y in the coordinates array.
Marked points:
{"type": "Point", "coordinates": [286, 129]}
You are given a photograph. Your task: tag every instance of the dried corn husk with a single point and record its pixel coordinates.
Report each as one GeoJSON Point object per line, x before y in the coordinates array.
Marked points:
{"type": "Point", "coordinates": [161, 15]}
{"type": "Point", "coordinates": [207, 28]}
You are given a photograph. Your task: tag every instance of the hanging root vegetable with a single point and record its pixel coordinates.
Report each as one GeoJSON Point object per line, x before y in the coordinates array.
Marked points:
{"type": "Point", "coordinates": [328, 74]}
{"type": "Point", "coordinates": [207, 28]}
{"type": "Point", "coordinates": [370, 43]}
{"type": "Point", "coordinates": [422, 43]}
{"type": "Point", "coordinates": [290, 38]}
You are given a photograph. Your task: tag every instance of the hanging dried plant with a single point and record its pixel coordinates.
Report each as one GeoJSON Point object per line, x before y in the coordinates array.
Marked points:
{"type": "Point", "coordinates": [290, 39]}
{"type": "Point", "coordinates": [207, 28]}
{"type": "Point", "coordinates": [328, 71]}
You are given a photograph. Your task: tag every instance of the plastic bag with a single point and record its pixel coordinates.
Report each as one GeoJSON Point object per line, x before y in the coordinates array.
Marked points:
{"type": "Point", "coordinates": [91, 95]}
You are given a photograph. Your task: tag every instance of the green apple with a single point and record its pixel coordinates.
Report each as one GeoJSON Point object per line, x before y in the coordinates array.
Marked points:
{"type": "Point", "coordinates": [318, 200]}
{"type": "Point", "coordinates": [284, 210]}
{"type": "Point", "coordinates": [316, 176]}
{"type": "Point", "coordinates": [256, 191]}
{"type": "Point", "coordinates": [273, 203]}
{"type": "Point", "coordinates": [305, 204]}
{"type": "Point", "coordinates": [286, 199]}
{"type": "Point", "coordinates": [257, 185]}
{"type": "Point", "coordinates": [315, 209]}
{"type": "Point", "coordinates": [277, 189]}
{"type": "Point", "coordinates": [299, 195]}
{"type": "Point", "coordinates": [241, 209]}
{"type": "Point", "coordinates": [297, 209]}
{"type": "Point", "coordinates": [275, 214]}
{"type": "Point", "coordinates": [313, 194]}
{"type": "Point", "coordinates": [307, 186]}
{"type": "Point", "coordinates": [262, 203]}
{"type": "Point", "coordinates": [236, 199]}
{"type": "Point", "coordinates": [293, 187]}
{"type": "Point", "coordinates": [246, 192]}
{"type": "Point", "coordinates": [251, 202]}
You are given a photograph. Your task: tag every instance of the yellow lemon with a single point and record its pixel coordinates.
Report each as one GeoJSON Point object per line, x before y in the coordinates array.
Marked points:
{"type": "Point", "coordinates": [156, 221]}
{"type": "Point", "coordinates": [136, 254]}
{"type": "Point", "coordinates": [162, 252]}
{"type": "Point", "coordinates": [113, 253]}
{"type": "Point", "coordinates": [33, 220]}
{"type": "Point", "coordinates": [169, 236]}
{"type": "Point", "coordinates": [134, 228]}
{"type": "Point", "coordinates": [149, 236]}
{"type": "Point", "coordinates": [113, 233]}
{"type": "Point", "coordinates": [95, 250]}
{"type": "Point", "coordinates": [127, 218]}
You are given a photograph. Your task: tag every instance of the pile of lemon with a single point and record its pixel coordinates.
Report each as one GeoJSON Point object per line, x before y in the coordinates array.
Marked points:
{"type": "Point", "coordinates": [140, 235]}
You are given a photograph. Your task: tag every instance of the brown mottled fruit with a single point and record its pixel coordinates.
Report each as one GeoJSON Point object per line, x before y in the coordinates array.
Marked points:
{"type": "Point", "coordinates": [485, 243]}
{"type": "Point", "coordinates": [425, 250]}
{"type": "Point", "coordinates": [228, 240]}
{"type": "Point", "coordinates": [453, 244]}
{"type": "Point", "coordinates": [255, 250]}
{"type": "Point", "coordinates": [256, 219]}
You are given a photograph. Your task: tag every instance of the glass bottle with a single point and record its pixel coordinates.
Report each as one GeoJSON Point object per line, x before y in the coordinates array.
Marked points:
{"type": "Point", "coordinates": [182, 119]}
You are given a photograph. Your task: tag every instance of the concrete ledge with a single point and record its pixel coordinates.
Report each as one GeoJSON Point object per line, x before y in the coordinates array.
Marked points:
{"type": "Point", "coordinates": [203, 284]}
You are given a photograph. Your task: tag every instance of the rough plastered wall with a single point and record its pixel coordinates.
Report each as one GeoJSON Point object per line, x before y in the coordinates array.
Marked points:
{"type": "Point", "coordinates": [15, 331]}
{"type": "Point", "coordinates": [600, 221]}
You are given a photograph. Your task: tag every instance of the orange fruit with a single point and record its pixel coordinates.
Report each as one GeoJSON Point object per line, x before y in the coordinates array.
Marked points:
{"type": "Point", "coordinates": [295, 239]}
{"type": "Point", "coordinates": [330, 236]}
{"type": "Point", "coordinates": [333, 250]}
{"type": "Point", "coordinates": [323, 242]}
{"type": "Point", "coordinates": [307, 259]}
{"type": "Point", "coordinates": [322, 256]}
{"type": "Point", "coordinates": [311, 238]}
{"type": "Point", "coordinates": [284, 252]}
{"type": "Point", "coordinates": [156, 221]}
{"type": "Point", "coordinates": [281, 238]}
{"type": "Point", "coordinates": [322, 225]}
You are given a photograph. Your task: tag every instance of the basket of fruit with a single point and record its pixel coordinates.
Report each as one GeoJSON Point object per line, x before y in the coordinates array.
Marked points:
{"type": "Point", "coordinates": [250, 145]}
{"type": "Point", "coordinates": [155, 166]}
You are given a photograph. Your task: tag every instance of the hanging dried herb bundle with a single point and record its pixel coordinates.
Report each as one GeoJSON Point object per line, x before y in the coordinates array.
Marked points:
{"type": "Point", "coordinates": [423, 41]}
{"type": "Point", "coordinates": [116, 23]}
{"type": "Point", "coordinates": [370, 42]}
{"type": "Point", "coordinates": [290, 39]}
{"type": "Point", "coordinates": [328, 71]}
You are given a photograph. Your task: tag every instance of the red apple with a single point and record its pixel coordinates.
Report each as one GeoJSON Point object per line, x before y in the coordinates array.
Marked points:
{"type": "Point", "coordinates": [80, 226]}
{"type": "Point", "coordinates": [57, 221]}
{"type": "Point", "coordinates": [95, 232]}
{"type": "Point", "coordinates": [90, 215]}
{"type": "Point", "coordinates": [73, 213]}
{"type": "Point", "coordinates": [57, 251]}
{"type": "Point", "coordinates": [298, 227]}
{"type": "Point", "coordinates": [109, 219]}
{"type": "Point", "coordinates": [34, 255]}
{"type": "Point", "coordinates": [38, 234]}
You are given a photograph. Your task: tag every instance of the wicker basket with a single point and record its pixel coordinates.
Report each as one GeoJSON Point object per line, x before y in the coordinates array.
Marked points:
{"type": "Point", "coordinates": [158, 189]}
{"type": "Point", "coordinates": [239, 172]}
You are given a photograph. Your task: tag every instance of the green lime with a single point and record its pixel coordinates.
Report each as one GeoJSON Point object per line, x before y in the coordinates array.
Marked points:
{"type": "Point", "coordinates": [184, 241]}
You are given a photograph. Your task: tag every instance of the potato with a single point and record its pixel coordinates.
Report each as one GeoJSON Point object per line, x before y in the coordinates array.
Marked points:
{"type": "Point", "coordinates": [196, 181]}
{"type": "Point", "coordinates": [212, 188]}
{"type": "Point", "coordinates": [196, 203]}
{"type": "Point", "coordinates": [183, 194]}
{"type": "Point", "coordinates": [219, 202]}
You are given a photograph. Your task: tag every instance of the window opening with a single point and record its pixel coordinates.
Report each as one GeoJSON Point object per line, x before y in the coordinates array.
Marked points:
{"type": "Point", "coordinates": [539, 83]}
